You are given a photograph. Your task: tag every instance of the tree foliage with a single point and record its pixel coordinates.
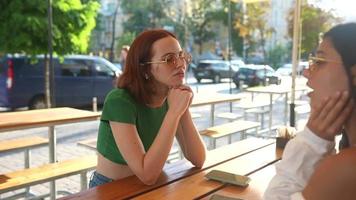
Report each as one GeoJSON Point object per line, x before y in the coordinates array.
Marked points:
{"type": "Point", "coordinates": [144, 14]}
{"type": "Point", "coordinates": [253, 27]}
{"type": "Point", "coordinates": [24, 26]}
{"type": "Point", "coordinates": [199, 23]}
{"type": "Point", "coordinates": [315, 21]}
{"type": "Point", "coordinates": [148, 14]}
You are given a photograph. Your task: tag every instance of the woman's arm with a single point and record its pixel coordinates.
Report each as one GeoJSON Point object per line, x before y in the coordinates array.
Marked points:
{"type": "Point", "coordinates": [147, 166]}
{"type": "Point", "coordinates": [190, 141]}
{"type": "Point", "coordinates": [334, 178]}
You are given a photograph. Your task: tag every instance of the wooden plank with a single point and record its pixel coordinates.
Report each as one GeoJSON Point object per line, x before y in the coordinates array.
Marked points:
{"type": "Point", "coordinates": [43, 117]}
{"type": "Point", "coordinates": [229, 128]}
{"type": "Point", "coordinates": [258, 185]}
{"type": "Point", "coordinates": [132, 186]}
{"type": "Point", "coordinates": [22, 143]}
{"type": "Point", "coordinates": [32, 176]}
{"type": "Point", "coordinates": [215, 98]}
{"type": "Point", "coordinates": [200, 186]}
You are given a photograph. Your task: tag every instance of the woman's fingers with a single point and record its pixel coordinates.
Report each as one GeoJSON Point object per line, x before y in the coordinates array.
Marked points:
{"type": "Point", "coordinates": [340, 120]}
{"type": "Point", "coordinates": [333, 110]}
{"type": "Point", "coordinates": [327, 119]}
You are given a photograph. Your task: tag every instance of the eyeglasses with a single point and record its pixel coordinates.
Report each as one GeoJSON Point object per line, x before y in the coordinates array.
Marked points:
{"type": "Point", "coordinates": [173, 58]}
{"type": "Point", "coordinates": [316, 62]}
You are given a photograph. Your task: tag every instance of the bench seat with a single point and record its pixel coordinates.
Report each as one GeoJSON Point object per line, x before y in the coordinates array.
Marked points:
{"type": "Point", "coordinates": [22, 143]}
{"type": "Point", "coordinates": [229, 116]}
{"type": "Point", "coordinates": [228, 129]}
{"type": "Point", "coordinates": [48, 172]}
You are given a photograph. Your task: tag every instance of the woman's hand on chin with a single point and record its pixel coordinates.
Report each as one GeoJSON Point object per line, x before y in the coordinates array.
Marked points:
{"type": "Point", "coordinates": [327, 119]}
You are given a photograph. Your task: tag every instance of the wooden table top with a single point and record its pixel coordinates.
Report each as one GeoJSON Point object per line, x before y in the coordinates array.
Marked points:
{"type": "Point", "coordinates": [43, 117]}
{"type": "Point", "coordinates": [275, 89]}
{"type": "Point", "coordinates": [197, 186]}
{"type": "Point", "coordinates": [201, 99]}
{"type": "Point", "coordinates": [236, 153]}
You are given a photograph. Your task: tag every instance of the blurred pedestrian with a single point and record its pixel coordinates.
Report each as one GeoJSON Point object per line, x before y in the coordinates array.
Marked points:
{"type": "Point", "coordinates": [147, 110]}
{"type": "Point", "coordinates": [123, 55]}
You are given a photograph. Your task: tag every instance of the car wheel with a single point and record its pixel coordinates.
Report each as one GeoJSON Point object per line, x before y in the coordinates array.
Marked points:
{"type": "Point", "coordinates": [38, 102]}
{"type": "Point", "coordinates": [199, 80]}
{"type": "Point", "coordinates": [216, 78]}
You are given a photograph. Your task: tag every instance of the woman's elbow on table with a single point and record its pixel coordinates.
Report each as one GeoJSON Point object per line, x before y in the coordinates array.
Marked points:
{"type": "Point", "coordinates": [148, 179]}
{"type": "Point", "coordinates": [199, 162]}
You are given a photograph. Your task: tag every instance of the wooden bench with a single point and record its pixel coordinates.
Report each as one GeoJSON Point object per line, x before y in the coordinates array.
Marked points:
{"type": "Point", "coordinates": [229, 116]}
{"type": "Point", "coordinates": [258, 111]}
{"type": "Point", "coordinates": [213, 133]}
{"type": "Point", "coordinates": [48, 172]}
{"type": "Point", "coordinates": [23, 144]}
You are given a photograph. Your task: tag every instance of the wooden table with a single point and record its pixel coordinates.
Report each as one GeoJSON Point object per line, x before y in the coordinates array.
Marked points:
{"type": "Point", "coordinates": [275, 89]}
{"type": "Point", "coordinates": [45, 118]}
{"type": "Point", "coordinates": [180, 180]}
{"type": "Point", "coordinates": [202, 99]}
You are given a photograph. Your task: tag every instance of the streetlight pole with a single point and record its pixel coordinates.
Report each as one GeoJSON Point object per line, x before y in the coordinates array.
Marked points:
{"type": "Point", "coordinates": [229, 49]}
{"type": "Point", "coordinates": [295, 55]}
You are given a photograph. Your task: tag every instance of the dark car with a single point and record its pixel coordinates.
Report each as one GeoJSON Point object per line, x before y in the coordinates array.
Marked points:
{"type": "Point", "coordinates": [78, 78]}
{"type": "Point", "coordinates": [253, 75]}
{"type": "Point", "coordinates": [214, 70]}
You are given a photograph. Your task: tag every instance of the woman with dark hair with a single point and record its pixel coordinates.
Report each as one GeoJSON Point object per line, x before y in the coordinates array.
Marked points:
{"type": "Point", "coordinates": [147, 110]}
{"type": "Point", "coordinates": [309, 168]}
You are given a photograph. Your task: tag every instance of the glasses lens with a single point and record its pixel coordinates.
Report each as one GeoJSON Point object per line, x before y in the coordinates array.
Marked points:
{"type": "Point", "coordinates": [187, 57]}
{"type": "Point", "coordinates": [171, 59]}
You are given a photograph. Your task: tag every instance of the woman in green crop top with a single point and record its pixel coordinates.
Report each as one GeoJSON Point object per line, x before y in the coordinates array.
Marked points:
{"type": "Point", "coordinates": [147, 110]}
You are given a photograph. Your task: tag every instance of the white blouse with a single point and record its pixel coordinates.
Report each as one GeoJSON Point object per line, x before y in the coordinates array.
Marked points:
{"type": "Point", "coordinates": [300, 157]}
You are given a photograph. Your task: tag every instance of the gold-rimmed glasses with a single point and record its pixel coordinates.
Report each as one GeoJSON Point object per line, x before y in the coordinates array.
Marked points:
{"type": "Point", "coordinates": [315, 62]}
{"type": "Point", "coordinates": [173, 58]}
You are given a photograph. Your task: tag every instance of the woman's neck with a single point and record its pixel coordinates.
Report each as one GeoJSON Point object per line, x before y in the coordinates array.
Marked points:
{"type": "Point", "coordinates": [159, 96]}
{"type": "Point", "coordinates": [350, 128]}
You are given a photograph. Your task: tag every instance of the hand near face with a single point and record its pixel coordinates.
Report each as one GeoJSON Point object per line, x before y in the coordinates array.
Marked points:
{"type": "Point", "coordinates": [326, 120]}
{"type": "Point", "coordinates": [179, 99]}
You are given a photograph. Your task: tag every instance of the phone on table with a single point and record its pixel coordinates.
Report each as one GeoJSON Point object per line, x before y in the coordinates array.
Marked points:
{"type": "Point", "coordinates": [227, 177]}
{"type": "Point", "coordinates": [221, 197]}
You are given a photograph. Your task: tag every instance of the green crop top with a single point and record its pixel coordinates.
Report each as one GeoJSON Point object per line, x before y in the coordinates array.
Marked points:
{"type": "Point", "coordinates": [120, 106]}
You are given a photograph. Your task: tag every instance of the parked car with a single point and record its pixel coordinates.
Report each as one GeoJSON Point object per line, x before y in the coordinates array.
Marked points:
{"type": "Point", "coordinates": [253, 75]}
{"type": "Point", "coordinates": [78, 78]}
{"type": "Point", "coordinates": [214, 70]}
{"type": "Point", "coordinates": [286, 69]}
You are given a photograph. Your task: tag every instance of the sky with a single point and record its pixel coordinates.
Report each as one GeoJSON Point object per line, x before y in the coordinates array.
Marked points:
{"type": "Point", "coordinates": [342, 8]}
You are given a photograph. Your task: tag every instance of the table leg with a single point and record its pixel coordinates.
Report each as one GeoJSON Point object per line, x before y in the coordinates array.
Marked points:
{"type": "Point", "coordinates": [270, 112]}
{"type": "Point", "coordinates": [286, 109]}
{"type": "Point", "coordinates": [212, 110]}
{"type": "Point", "coordinates": [52, 157]}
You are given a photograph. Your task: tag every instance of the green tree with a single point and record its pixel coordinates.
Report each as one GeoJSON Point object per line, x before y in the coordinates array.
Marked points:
{"type": "Point", "coordinates": [199, 23]}
{"type": "Point", "coordinates": [24, 27]}
{"type": "Point", "coordinates": [314, 22]}
{"type": "Point", "coordinates": [278, 55]}
{"type": "Point", "coordinates": [144, 14]}
{"type": "Point", "coordinates": [253, 27]}
{"type": "Point", "coordinates": [148, 14]}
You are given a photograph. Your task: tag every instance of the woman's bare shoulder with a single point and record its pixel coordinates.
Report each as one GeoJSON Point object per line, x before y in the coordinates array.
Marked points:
{"type": "Point", "coordinates": [334, 177]}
